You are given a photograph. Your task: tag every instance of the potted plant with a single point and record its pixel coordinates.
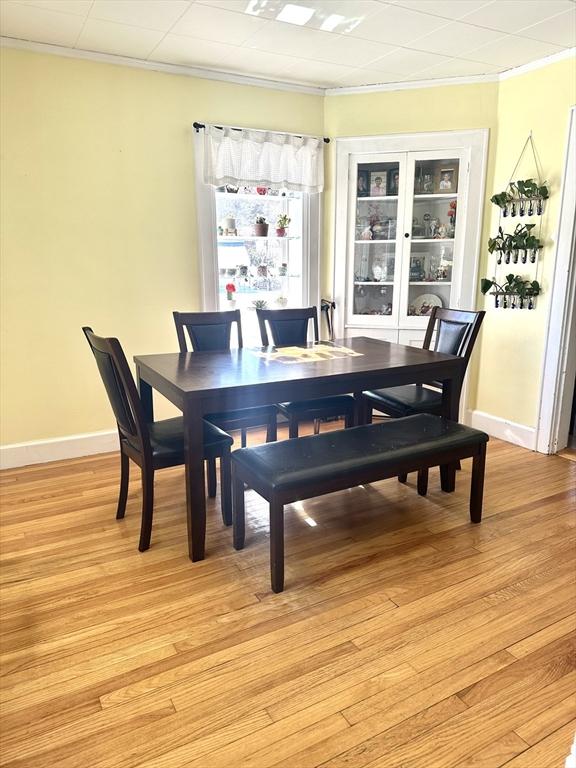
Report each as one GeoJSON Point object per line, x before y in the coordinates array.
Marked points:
{"type": "Point", "coordinates": [522, 196]}
{"type": "Point", "coordinates": [281, 224]}
{"type": "Point", "coordinates": [230, 292]}
{"type": "Point", "coordinates": [282, 301]}
{"type": "Point", "coordinates": [259, 304]}
{"type": "Point", "coordinates": [518, 291]}
{"type": "Point", "coordinates": [261, 227]}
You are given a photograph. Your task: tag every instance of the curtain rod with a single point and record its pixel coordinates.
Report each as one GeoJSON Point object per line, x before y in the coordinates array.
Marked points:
{"type": "Point", "coordinates": [198, 126]}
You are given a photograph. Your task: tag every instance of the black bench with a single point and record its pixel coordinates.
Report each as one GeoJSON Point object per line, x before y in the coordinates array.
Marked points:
{"type": "Point", "coordinates": [298, 469]}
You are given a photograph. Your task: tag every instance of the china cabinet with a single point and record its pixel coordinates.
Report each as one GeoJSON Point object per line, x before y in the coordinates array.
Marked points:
{"type": "Point", "coordinates": [408, 215]}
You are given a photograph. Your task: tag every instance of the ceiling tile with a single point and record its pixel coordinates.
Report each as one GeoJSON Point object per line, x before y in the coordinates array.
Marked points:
{"type": "Point", "coordinates": [560, 30]}
{"type": "Point", "coordinates": [212, 23]}
{"type": "Point", "coordinates": [362, 76]}
{"type": "Point", "coordinates": [25, 22]}
{"type": "Point", "coordinates": [456, 38]}
{"type": "Point", "coordinates": [192, 52]}
{"type": "Point", "coordinates": [404, 61]}
{"type": "Point", "coordinates": [305, 43]}
{"type": "Point", "coordinates": [459, 68]}
{"type": "Point", "coordinates": [512, 51]}
{"type": "Point", "coordinates": [77, 7]}
{"type": "Point", "coordinates": [398, 26]}
{"type": "Point", "coordinates": [151, 14]}
{"type": "Point", "coordinates": [119, 39]}
{"type": "Point", "coordinates": [448, 9]}
{"type": "Point", "coordinates": [512, 15]}
{"type": "Point", "coordinates": [317, 73]}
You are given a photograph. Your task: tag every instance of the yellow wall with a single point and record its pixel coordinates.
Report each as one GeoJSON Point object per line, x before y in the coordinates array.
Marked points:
{"type": "Point", "coordinates": [512, 345]}
{"type": "Point", "coordinates": [98, 215]}
{"type": "Point", "coordinates": [98, 221]}
{"type": "Point", "coordinates": [506, 372]}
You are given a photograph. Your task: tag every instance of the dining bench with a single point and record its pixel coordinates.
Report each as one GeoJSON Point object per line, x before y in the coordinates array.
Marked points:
{"type": "Point", "coordinates": [302, 468]}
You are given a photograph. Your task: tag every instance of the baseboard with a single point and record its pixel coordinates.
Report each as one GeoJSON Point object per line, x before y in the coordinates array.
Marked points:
{"type": "Point", "coordinates": [519, 434]}
{"type": "Point", "coordinates": [70, 447]}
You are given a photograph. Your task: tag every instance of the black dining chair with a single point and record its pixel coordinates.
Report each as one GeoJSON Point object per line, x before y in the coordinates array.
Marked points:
{"type": "Point", "coordinates": [211, 332]}
{"type": "Point", "coordinates": [456, 332]}
{"type": "Point", "coordinates": [155, 445]}
{"type": "Point", "coordinates": [289, 327]}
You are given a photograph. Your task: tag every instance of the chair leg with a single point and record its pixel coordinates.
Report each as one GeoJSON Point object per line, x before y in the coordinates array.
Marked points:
{"type": "Point", "coordinates": [458, 465]}
{"type": "Point", "coordinates": [211, 477]}
{"type": "Point", "coordinates": [226, 488]}
{"type": "Point", "coordinates": [422, 482]}
{"type": "Point", "coordinates": [477, 485]}
{"type": "Point", "coordinates": [448, 478]}
{"type": "Point", "coordinates": [238, 514]}
{"type": "Point", "coordinates": [403, 477]}
{"type": "Point", "coordinates": [124, 477]}
{"type": "Point", "coordinates": [292, 427]}
{"type": "Point", "coordinates": [147, 508]}
{"type": "Point", "coordinates": [349, 419]}
{"type": "Point", "coordinates": [272, 429]}
{"type": "Point", "coordinates": [367, 416]}
{"type": "Point", "coordinates": [277, 546]}
{"type": "Point", "coordinates": [243, 437]}
{"type": "Point", "coordinates": [316, 426]}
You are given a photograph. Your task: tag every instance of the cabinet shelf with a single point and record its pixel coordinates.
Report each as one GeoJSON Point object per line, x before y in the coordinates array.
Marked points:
{"type": "Point", "coordinates": [379, 240]}
{"type": "Point", "coordinates": [373, 282]}
{"type": "Point", "coordinates": [237, 238]}
{"type": "Point", "coordinates": [381, 197]}
{"type": "Point", "coordinates": [432, 239]}
{"type": "Point", "coordinates": [435, 196]}
{"type": "Point", "coordinates": [430, 282]}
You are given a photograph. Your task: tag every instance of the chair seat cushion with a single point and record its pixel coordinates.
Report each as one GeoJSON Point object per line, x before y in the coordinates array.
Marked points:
{"type": "Point", "coordinates": [167, 440]}
{"type": "Point", "coordinates": [406, 400]}
{"type": "Point", "coordinates": [338, 405]}
{"type": "Point", "coordinates": [256, 416]}
{"type": "Point", "coordinates": [309, 461]}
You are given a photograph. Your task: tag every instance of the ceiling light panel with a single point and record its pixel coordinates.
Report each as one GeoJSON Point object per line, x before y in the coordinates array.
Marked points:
{"type": "Point", "coordinates": [295, 14]}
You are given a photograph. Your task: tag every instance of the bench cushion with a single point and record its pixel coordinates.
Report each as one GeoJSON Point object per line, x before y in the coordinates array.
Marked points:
{"type": "Point", "coordinates": [295, 463]}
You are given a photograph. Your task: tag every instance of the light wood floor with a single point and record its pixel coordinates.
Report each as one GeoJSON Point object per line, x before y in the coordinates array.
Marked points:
{"type": "Point", "coordinates": [406, 638]}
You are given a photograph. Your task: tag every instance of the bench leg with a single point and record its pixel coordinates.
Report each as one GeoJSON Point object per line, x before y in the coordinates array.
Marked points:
{"type": "Point", "coordinates": [272, 430]}
{"type": "Point", "coordinates": [477, 485]}
{"type": "Point", "coordinates": [448, 478]}
{"type": "Point", "coordinates": [422, 482]}
{"type": "Point", "coordinates": [211, 465]}
{"type": "Point", "coordinates": [277, 546]}
{"type": "Point", "coordinates": [403, 477]}
{"type": "Point", "coordinates": [238, 514]}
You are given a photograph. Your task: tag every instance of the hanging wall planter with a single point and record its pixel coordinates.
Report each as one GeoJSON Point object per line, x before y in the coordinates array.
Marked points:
{"type": "Point", "coordinates": [522, 198]}
{"type": "Point", "coordinates": [515, 293]}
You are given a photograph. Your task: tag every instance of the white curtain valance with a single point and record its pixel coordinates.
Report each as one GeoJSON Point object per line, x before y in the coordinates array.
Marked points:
{"type": "Point", "coordinates": [259, 158]}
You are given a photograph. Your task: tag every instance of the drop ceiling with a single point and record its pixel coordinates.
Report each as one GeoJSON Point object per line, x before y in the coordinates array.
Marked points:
{"type": "Point", "coordinates": [319, 43]}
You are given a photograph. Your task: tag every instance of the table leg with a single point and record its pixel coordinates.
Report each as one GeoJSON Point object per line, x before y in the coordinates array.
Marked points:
{"type": "Point", "coordinates": [359, 409]}
{"type": "Point", "coordinates": [145, 391]}
{"type": "Point", "coordinates": [195, 493]}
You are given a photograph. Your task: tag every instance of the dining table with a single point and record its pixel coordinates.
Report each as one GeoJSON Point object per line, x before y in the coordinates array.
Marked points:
{"type": "Point", "coordinates": [200, 383]}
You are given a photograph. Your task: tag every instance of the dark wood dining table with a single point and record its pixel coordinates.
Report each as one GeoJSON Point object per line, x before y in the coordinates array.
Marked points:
{"type": "Point", "coordinates": [198, 383]}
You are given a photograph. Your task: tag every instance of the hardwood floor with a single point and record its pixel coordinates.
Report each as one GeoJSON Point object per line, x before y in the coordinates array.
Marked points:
{"type": "Point", "coordinates": [406, 637]}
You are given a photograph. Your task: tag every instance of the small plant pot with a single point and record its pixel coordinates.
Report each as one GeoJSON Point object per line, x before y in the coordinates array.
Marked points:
{"type": "Point", "coordinates": [280, 231]}
{"type": "Point", "coordinates": [231, 303]}
{"type": "Point", "coordinates": [261, 230]}
{"type": "Point", "coordinates": [282, 301]}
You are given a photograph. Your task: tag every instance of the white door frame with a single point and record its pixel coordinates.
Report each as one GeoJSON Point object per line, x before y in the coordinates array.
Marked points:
{"type": "Point", "coordinates": [560, 351]}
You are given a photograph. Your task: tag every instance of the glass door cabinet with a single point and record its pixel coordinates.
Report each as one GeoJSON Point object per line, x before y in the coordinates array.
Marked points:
{"type": "Point", "coordinates": [411, 237]}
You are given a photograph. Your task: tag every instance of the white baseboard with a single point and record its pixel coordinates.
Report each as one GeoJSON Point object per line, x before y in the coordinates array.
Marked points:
{"type": "Point", "coordinates": [519, 434]}
{"type": "Point", "coordinates": [70, 447]}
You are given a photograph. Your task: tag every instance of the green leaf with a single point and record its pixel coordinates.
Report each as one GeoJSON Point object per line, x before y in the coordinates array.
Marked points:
{"type": "Point", "coordinates": [486, 285]}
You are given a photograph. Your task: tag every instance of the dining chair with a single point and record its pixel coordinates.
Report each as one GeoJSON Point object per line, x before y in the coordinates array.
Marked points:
{"type": "Point", "coordinates": [289, 327]}
{"type": "Point", "coordinates": [456, 332]}
{"type": "Point", "coordinates": [211, 332]}
{"type": "Point", "coordinates": [155, 445]}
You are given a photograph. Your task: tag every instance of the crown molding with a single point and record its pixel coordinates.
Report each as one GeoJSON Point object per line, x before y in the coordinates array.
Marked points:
{"type": "Point", "coordinates": [279, 85]}
{"type": "Point", "coordinates": [157, 66]}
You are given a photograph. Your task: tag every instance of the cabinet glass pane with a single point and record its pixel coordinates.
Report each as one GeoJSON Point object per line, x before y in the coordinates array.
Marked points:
{"type": "Point", "coordinates": [435, 208]}
{"type": "Point", "coordinates": [375, 229]}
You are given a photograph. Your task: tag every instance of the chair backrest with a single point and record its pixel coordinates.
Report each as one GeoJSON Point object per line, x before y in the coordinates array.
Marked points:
{"type": "Point", "coordinates": [288, 327]}
{"type": "Point", "coordinates": [120, 387]}
{"type": "Point", "coordinates": [456, 331]}
{"type": "Point", "coordinates": [208, 331]}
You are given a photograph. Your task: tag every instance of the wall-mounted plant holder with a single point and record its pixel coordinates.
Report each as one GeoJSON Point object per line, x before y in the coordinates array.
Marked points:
{"type": "Point", "coordinates": [524, 197]}
{"type": "Point", "coordinates": [515, 293]}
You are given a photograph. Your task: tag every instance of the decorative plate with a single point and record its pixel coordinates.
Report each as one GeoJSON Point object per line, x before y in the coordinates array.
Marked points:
{"type": "Point", "coordinates": [423, 304]}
